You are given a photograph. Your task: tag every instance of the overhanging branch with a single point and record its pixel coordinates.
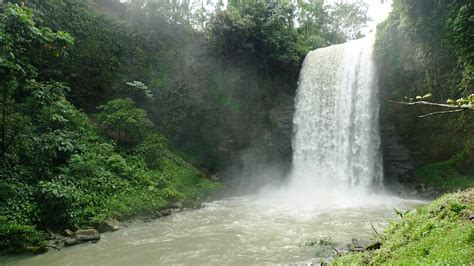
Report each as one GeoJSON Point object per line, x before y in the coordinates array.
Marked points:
{"type": "Point", "coordinates": [457, 108]}
{"type": "Point", "coordinates": [442, 112]}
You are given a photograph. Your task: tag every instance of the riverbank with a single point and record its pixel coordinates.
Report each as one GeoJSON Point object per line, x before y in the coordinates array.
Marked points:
{"type": "Point", "coordinates": [17, 239]}
{"type": "Point", "coordinates": [101, 185]}
{"type": "Point", "coordinates": [441, 232]}
{"type": "Point", "coordinates": [67, 238]}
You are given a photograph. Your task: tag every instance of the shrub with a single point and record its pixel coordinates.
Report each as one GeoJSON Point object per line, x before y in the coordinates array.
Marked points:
{"type": "Point", "coordinates": [19, 238]}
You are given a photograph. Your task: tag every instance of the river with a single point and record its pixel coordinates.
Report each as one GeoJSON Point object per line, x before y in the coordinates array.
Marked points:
{"type": "Point", "coordinates": [246, 230]}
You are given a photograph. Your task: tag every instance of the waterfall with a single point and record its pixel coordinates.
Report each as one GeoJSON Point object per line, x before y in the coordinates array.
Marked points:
{"type": "Point", "coordinates": [336, 141]}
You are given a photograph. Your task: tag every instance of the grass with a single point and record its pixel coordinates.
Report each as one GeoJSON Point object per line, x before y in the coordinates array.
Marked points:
{"type": "Point", "coordinates": [439, 233]}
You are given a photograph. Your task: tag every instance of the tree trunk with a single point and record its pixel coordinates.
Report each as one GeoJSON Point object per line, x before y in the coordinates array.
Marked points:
{"type": "Point", "coordinates": [4, 118]}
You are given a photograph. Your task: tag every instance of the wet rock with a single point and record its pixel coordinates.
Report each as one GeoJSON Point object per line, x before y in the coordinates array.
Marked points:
{"type": "Point", "coordinates": [413, 193]}
{"type": "Point", "coordinates": [53, 245]}
{"type": "Point", "coordinates": [374, 246]}
{"type": "Point", "coordinates": [68, 232]}
{"type": "Point", "coordinates": [50, 248]}
{"type": "Point", "coordinates": [84, 235]}
{"type": "Point", "coordinates": [162, 213]}
{"type": "Point", "coordinates": [176, 205]}
{"type": "Point", "coordinates": [146, 220]}
{"type": "Point", "coordinates": [192, 204]}
{"type": "Point", "coordinates": [397, 158]}
{"type": "Point", "coordinates": [109, 225]}
{"type": "Point", "coordinates": [49, 236]}
{"type": "Point", "coordinates": [281, 116]}
{"type": "Point", "coordinates": [471, 217]}
{"type": "Point", "coordinates": [71, 242]}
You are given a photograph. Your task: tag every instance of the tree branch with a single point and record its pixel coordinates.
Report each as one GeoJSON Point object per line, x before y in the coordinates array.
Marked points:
{"type": "Point", "coordinates": [458, 108]}
{"type": "Point", "coordinates": [442, 112]}
{"type": "Point", "coordinates": [337, 251]}
{"type": "Point", "coordinates": [10, 142]}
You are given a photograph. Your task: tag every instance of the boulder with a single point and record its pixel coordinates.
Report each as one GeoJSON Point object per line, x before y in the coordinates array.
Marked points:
{"type": "Point", "coordinates": [192, 204]}
{"type": "Point", "coordinates": [84, 235]}
{"type": "Point", "coordinates": [68, 232]}
{"type": "Point", "coordinates": [176, 205]}
{"type": "Point", "coordinates": [49, 236]}
{"type": "Point", "coordinates": [109, 225]}
{"type": "Point", "coordinates": [54, 245]}
{"type": "Point", "coordinates": [162, 213]}
{"type": "Point", "coordinates": [71, 242]}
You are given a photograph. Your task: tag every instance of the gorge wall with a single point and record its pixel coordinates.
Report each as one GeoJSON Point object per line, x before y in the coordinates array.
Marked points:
{"type": "Point", "coordinates": [417, 52]}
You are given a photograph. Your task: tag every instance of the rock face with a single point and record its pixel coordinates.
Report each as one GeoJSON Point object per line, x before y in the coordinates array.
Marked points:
{"type": "Point", "coordinates": [84, 235]}
{"type": "Point", "coordinates": [109, 225]}
{"type": "Point", "coordinates": [397, 161]}
{"type": "Point", "coordinates": [281, 117]}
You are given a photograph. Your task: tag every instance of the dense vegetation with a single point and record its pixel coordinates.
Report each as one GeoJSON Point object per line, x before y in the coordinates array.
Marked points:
{"type": "Point", "coordinates": [439, 233]}
{"type": "Point", "coordinates": [427, 47]}
{"type": "Point", "coordinates": [98, 97]}
{"type": "Point", "coordinates": [58, 167]}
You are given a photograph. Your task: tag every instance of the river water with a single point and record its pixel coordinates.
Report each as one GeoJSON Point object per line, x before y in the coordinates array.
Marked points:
{"type": "Point", "coordinates": [250, 230]}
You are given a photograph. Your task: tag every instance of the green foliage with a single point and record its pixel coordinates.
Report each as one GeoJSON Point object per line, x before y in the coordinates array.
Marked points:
{"type": "Point", "coordinates": [346, 20]}
{"type": "Point", "coordinates": [463, 102]}
{"type": "Point", "coordinates": [21, 40]}
{"type": "Point", "coordinates": [446, 176]}
{"type": "Point", "coordinates": [19, 238]}
{"type": "Point", "coordinates": [262, 31]}
{"type": "Point", "coordinates": [438, 233]}
{"type": "Point", "coordinates": [122, 119]}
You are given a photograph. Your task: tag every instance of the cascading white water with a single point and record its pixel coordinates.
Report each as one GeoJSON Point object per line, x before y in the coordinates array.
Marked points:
{"type": "Point", "coordinates": [336, 142]}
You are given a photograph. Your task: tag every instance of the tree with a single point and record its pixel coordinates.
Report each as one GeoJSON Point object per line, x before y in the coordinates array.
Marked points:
{"type": "Point", "coordinates": [347, 20]}
{"type": "Point", "coordinates": [20, 41]}
{"type": "Point", "coordinates": [262, 34]}
{"type": "Point", "coordinates": [124, 121]}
